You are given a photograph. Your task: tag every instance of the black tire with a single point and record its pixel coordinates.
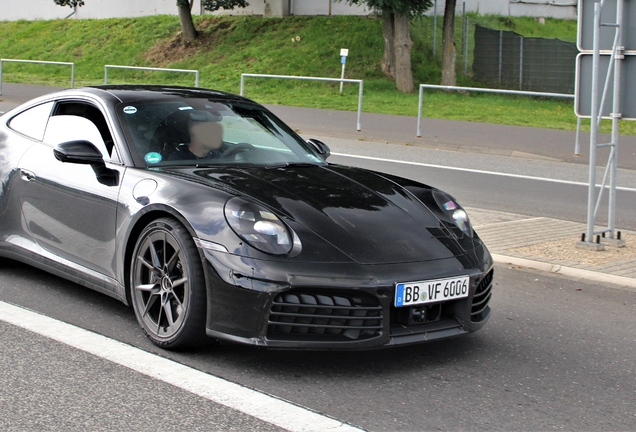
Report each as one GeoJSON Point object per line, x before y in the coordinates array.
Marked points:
{"type": "Point", "coordinates": [167, 286]}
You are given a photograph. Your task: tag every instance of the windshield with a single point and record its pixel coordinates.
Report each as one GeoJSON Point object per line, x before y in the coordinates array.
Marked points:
{"type": "Point", "coordinates": [199, 131]}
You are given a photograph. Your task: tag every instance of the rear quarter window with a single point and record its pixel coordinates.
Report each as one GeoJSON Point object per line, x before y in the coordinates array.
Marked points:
{"type": "Point", "coordinates": [32, 122]}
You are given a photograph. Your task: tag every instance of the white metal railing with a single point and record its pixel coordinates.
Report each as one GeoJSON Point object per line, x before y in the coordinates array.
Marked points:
{"type": "Point", "coordinates": [304, 78]}
{"type": "Point", "coordinates": [501, 91]}
{"type": "Point", "coordinates": [195, 72]}
{"type": "Point", "coordinates": [72, 65]}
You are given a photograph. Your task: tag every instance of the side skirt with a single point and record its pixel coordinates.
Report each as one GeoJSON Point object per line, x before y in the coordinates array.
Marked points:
{"type": "Point", "coordinates": [69, 271]}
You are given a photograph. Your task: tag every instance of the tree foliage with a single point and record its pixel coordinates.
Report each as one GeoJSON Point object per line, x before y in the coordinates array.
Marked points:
{"type": "Point", "coordinates": [70, 3]}
{"type": "Point", "coordinates": [406, 7]}
{"type": "Point", "coordinates": [214, 5]}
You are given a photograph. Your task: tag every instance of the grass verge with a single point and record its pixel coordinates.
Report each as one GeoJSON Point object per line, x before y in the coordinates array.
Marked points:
{"type": "Point", "coordinates": [229, 46]}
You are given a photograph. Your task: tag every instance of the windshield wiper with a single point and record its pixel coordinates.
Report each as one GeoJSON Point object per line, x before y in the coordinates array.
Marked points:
{"type": "Point", "coordinates": [292, 164]}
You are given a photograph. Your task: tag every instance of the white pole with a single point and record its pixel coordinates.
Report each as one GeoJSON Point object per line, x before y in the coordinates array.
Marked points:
{"type": "Point", "coordinates": [595, 114]}
{"type": "Point", "coordinates": [342, 77]}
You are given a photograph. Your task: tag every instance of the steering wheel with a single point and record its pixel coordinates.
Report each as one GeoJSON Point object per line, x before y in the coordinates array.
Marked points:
{"type": "Point", "coordinates": [236, 149]}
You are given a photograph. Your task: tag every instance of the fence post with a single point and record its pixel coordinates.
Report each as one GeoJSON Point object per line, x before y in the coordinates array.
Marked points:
{"type": "Point", "coordinates": [359, 125]}
{"type": "Point", "coordinates": [434, 28]}
{"type": "Point", "coordinates": [419, 112]}
{"type": "Point", "coordinates": [465, 43]}
{"type": "Point", "coordinates": [39, 62]}
{"type": "Point", "coordinates": [577, 141]}
{"type": "Point", "coordinates": [500, 55]}
{"type": "Point", "coordinates": [304, 78]}
{"type": "Point", "coordinates": [521, 63]}
{"type": "Point", "coordinates": [483, 90]}
{"type": "Point", "coordinates": [463, 25]}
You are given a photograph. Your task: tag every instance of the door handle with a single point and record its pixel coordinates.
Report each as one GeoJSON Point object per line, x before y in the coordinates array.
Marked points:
{"type": "Point", "coordinates": [27, 175]}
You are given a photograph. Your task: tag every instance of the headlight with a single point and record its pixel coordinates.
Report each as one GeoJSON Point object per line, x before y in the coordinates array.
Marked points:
{"type": "Point", "coordinates": [259, 227]}
{"type": "Point", "coordinates": [455, 213]}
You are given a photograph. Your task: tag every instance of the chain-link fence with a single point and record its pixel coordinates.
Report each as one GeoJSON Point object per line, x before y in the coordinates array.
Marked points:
{"type": "Point", "coordinates": [506, 59]}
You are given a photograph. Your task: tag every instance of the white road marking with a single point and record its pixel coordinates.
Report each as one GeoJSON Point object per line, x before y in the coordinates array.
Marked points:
{"type": "Point", "coordinates": [256, 404]}
{"type": "Point", "coordinates": [626, 189]}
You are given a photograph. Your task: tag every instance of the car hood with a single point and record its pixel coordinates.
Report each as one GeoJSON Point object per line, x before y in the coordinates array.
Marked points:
{"type": "Point", "coordinates": [366, 216]}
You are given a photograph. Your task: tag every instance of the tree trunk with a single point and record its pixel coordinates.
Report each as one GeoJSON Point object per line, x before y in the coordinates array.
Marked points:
{"type": "Point", "coordinates": [388, 30]}
{"type": "Point", "coordinates": [188, 32]}
{"type": "Point", "coordinates": [403, 45]}
{"type": "Point", "coordinates": [449, 77]}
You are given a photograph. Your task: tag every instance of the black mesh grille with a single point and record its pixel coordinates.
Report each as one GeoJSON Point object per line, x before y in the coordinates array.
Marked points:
{"type": "Point", "coordinates": [324, 317]}
{"type": "Point", "coordinates": [482, 296]}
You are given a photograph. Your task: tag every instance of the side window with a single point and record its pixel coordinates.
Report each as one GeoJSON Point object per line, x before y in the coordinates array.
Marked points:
{"type": "Point", "coordinates": [63, 128]}
{"type": "Point", "coordinates": [32, 122]}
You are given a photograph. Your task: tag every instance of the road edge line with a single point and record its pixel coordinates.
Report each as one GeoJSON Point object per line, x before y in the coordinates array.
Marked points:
{"type": "Point", "coordinates": [254, 403]}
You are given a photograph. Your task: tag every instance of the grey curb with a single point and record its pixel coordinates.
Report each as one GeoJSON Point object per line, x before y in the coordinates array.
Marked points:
{"type": "Point", "coordinates": [624, 283]}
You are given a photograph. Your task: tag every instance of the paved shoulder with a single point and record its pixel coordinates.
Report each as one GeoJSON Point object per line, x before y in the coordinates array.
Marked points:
{"type": "Point", "coordinates": [550, 245]}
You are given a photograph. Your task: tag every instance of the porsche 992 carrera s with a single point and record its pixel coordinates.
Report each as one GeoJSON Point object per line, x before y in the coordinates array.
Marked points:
{"type": "Point", "coordinates": [215, 220]}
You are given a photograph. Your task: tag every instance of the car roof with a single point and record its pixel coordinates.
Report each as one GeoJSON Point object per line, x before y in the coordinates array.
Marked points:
{"type": "Point", "coordinates": [132, 92]}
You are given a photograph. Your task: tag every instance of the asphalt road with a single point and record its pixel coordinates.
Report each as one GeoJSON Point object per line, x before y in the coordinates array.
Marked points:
{"type": "Point", "coordinates": [50, 386]}
{"type": "Point", "coordinates": [557, 354]}
{"type": "Point", "coordinates": [524, 186]}
{"type": "Point", "coordinates": [557, 145]}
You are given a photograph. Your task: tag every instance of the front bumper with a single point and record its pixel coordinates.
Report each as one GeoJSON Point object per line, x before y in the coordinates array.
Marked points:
{"type": "Point", "coordinates": [337, 305]}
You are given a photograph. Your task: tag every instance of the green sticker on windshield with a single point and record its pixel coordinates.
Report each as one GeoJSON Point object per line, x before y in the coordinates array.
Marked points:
{"type": "Point", "coordinates": [153, 158]}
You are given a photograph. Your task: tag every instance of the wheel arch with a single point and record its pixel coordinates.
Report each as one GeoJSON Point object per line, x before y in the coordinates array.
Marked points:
{"type": "Point", "coordinates": [142, 220]}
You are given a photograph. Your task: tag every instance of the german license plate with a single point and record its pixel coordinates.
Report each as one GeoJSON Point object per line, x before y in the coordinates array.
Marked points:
{"type": "Point", "coordinates": [431, 291]}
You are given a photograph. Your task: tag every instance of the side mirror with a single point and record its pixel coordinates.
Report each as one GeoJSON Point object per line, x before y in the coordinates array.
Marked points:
{"type": "Point", "coordinates": [85, 152]}
{"type": "Point", "coordinates": [79, 152]}
{"type": "Point", "coordinates": [321, 148]}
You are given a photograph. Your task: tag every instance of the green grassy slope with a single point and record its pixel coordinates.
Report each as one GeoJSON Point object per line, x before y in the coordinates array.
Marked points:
{"type": "Point", "coordinates": [229, 46]}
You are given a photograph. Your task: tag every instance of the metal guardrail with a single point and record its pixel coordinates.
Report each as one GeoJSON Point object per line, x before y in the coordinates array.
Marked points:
{"type": "Point", "coordinates": [304, 78]}
{"type": "Point", "coordinates": [38, 62]}
{"type": "Point", "coordinates": [500, 91]}
{"type": "Point", "coordinates": [106, 67]}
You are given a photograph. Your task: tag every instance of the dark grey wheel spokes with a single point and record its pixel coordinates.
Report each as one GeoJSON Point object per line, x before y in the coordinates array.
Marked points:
{"type": "Point", "coordinates": [160, 284]}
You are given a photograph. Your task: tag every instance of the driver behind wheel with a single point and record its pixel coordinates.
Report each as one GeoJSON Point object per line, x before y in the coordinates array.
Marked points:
{"type": "Point", "coordinates": [206, 140]}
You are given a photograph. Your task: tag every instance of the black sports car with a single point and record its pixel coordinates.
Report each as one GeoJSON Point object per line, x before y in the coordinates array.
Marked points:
{"type": "Point", "coordinates": [213, 219]}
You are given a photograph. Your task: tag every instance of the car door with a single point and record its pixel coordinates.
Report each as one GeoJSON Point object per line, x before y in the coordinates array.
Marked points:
{"type": "Point", "coordinates": [68, 210]}
{"type": "Point", "coordinates": [17, 135]}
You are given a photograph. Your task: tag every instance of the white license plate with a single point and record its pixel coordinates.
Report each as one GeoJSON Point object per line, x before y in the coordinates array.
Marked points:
{"type": "Point", "coordinates": [430, 291]}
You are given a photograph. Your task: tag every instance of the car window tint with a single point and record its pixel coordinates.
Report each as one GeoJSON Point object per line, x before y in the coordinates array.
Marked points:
{"type": "Point", "coordinates": [32, 122]}
{"type": "Point", "coordinates": [63, 128]}
{"type": "Point", "coordinates": [239, 129]}
{"type": "Point", "coordinates": [160, 133]}
{"type": "Point", "coordinates": [143, 120]}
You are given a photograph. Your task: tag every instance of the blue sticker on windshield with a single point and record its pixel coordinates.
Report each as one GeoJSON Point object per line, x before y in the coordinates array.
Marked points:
{"type": "Point", "coordinates": [152, 158]}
